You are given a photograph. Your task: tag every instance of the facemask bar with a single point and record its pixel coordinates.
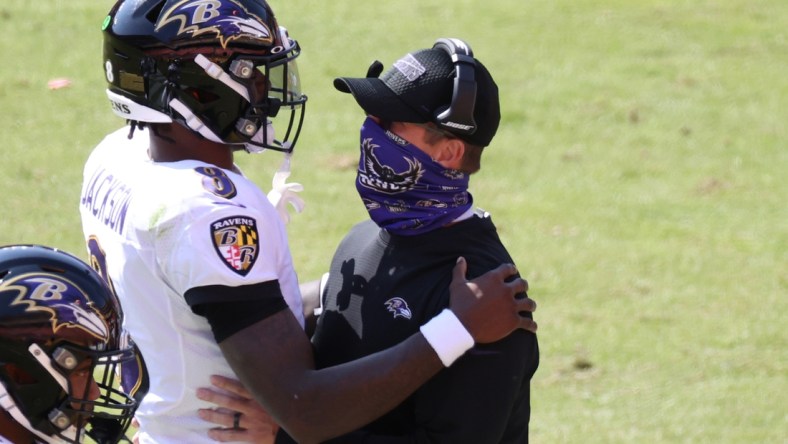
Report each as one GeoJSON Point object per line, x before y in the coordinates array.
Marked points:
{"type": "Point", "coordinates": [283, 95]}
{"type": "Point", "coordinates": [104, 419]}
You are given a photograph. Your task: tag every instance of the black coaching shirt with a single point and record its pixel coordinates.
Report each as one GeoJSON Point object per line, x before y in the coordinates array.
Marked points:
{"type": "Point", "coordinates": [382, 287]}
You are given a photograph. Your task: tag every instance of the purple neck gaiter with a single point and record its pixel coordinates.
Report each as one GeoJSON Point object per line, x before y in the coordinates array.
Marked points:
{"type": "Point", "coordinates": [404, 190]}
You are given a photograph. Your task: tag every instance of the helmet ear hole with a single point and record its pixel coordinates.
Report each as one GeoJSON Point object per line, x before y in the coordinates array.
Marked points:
{"type": "Point", "coordinates": [202, 96]}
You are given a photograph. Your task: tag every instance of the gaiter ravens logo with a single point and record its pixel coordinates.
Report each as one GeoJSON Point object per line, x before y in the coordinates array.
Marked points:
{"type": "Point", "coordinates": [383, 178]}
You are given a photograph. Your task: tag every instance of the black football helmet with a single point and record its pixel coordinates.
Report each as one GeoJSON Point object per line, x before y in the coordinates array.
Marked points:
{"type": "Point", "coordinates": [60, 323]}
{"type": "Point", "coordinates": [222, 68]}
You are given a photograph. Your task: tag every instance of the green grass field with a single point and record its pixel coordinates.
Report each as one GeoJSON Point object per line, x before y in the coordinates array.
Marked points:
{"type": "Point", "coordinates": [636, 179]}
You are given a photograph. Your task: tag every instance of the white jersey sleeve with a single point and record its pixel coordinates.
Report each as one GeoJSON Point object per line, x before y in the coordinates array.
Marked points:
{"type": "Point", "coordinates": [203, 240]}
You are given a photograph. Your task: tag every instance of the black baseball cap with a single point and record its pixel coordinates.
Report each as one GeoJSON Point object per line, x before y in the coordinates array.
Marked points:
{"type": "Point", "coordinates": [420, 84]}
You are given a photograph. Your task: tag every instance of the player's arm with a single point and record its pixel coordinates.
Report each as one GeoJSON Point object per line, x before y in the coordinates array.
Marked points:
{"type": "Point", "coordinates": [484, 393]}
{"type": "Point", "coordinates": [311, 294]}
{"type": "Point", "coordinates": [482, 396]}
{"type": "Point", "coordinates": [273, 358]}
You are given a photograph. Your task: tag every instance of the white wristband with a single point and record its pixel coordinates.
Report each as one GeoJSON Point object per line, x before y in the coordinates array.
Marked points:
{"type": "Point", "coordinates": [447, 336]}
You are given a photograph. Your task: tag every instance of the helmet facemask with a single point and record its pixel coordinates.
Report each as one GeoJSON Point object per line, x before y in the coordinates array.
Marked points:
{"type": "Point", "coordinates": [91, 400]}
{"type": "Point", "coordinates": [246, 100]}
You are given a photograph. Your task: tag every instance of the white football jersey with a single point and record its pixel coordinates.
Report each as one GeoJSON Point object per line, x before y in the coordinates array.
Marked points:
{"type": "Point", "coordinates": [159, 229]}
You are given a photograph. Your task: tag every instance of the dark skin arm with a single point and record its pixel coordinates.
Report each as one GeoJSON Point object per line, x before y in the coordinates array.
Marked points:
{"type": "Point", "coordinates": [273, 359]}
{"type": "Point", "coordinates": [310, 297]}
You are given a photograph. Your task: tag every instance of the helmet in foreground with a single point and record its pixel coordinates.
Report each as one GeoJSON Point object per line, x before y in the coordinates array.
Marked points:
{"type": "Point", "coordinates": [61, 348]}
{"type": "Point", "coordinates": [222, 68]}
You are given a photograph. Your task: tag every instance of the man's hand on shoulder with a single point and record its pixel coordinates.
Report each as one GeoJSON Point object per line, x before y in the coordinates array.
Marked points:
{"type": "Point", "coordinates": [489, 306]}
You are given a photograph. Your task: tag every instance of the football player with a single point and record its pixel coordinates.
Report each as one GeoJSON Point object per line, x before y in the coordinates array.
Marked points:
{"type": "Point", "coordinates": [61, 351]}
{"type": "Point", "coordinates": [197, 252]}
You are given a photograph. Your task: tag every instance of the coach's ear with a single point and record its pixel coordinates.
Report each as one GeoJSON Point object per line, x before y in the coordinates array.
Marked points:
{"type": "Point", "coordinates": [449, 153]}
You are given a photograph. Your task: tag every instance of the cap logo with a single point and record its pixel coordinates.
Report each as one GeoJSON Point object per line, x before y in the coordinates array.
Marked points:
{"type": "Point", "coordinates": [411, 68]}
{"type": "Point", "coordinates": [67, 305]}
{"type": "Point", "coordinates": [236, 242]}
{"type": "Point", "coordinates": [228, 19]}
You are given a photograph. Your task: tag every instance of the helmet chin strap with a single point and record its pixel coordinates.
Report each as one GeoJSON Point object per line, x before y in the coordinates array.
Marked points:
{"type": "Point", "coordinates": [216, 71]}
{"type": "Point", "coordinates": [40, 355]}
{"type": "Point", "coordinates": [193, 122]}
{"type": "Point", "coordinates": [8, 404]}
